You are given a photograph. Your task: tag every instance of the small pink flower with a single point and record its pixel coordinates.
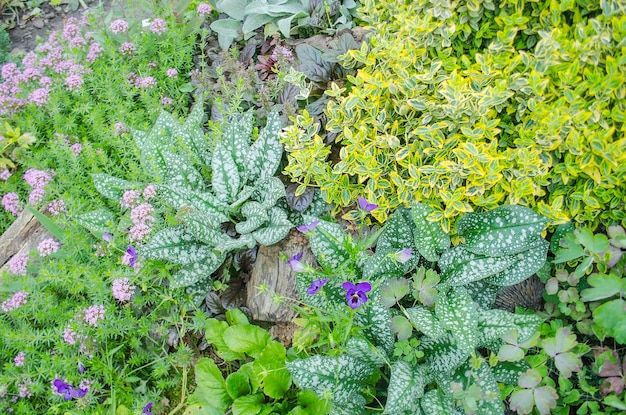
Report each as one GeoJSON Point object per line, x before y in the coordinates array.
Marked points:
{"type": "Point", "coordinates": [149, 192]}
{"type": "Point", "coordinates": [203, 9]}
{"type": "Point", "coordinates": [118, 26]}
{"type": "Point", "coordinates": [73, 82]}
{"type": "Point", "coordinates": [48, 247]}
{"type": "Point", "coordinates": [145, 82]}
{"type": "Point", "coordinates": [18, 300]}
{"type": "Point", "coordinates": [36, 195]}
{"type": "Point", "coordinates": [45, 81]}
{"type": "Point", "coordinates": [139, 232]}
{"type": "Point", "coordinates": [38, 178]}
{"type": "Point", "coordinates": [19, 359]}
{"type": "Point", "coordinates": [76, 148]}
{"type": "Point", "coordinates": [56, 207]}
{"type": "Point", "coordinates": [122, 290]}
{"type": "Point", "coordinates": [77, 42]}
{"type": "Point", "coordinates": [172, 73]}
{"type": "Point", "coordinates": [93, 314]}
{"type": "Point", "coordinates": [39, 96]}
{"type": "Point", "coordinates": [166, 101]}
{"type": "Point", "coordinates": [5, 174]}
{"type": "Point", "coordinates": [69, 335]}
{"type": "Point", "coordinates": [141, 213]}
{"type": "Point", "coordinates": [158, 26]}
{"type": "Point", "coordinates": [94, 51]}
{"type": "Point", "coordinates": [11, 202]}
{"type": "Point", "coordinates": [120, 128]}
{"type": "Point", "coordinates": [129, 199]}
{"type": "Point", "coordinates": [17, 264]}
{"type": "Point", "coordinates": [127, 49]}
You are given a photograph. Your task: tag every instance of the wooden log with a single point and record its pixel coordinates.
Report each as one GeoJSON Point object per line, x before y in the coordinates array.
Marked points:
{"type": "Point", "coordinates": [20, 238]}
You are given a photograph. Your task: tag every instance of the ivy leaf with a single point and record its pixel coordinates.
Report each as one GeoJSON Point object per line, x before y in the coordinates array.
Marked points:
{"type": "Point", "coordinates": [558, 348]}
{"type": "Point", "coordinates": [505, 230]}
{"type": "Point", "coordinates": [430, 239]}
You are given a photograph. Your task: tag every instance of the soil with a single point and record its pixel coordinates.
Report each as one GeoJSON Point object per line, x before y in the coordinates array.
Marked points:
{"type": "Point", "coordinates": [25, 26]}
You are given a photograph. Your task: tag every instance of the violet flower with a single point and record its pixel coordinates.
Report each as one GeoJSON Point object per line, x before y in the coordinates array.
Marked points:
{"type": "Point", "coordinates": [295, 264]}
{"type": "Point", "coordinates": [146, 409]}
{"type": "Point", "coordinates": [81, 368]}
{"type": "Point", "coordinates": [132, 256]}
{"type": "Point", "coordinates": [365, 205]}
{"type": "Point", "coordinates": [316, 286]}
{"type": "Point", "coordinates": [107, 237]}
{"type": "Point", "coordinates": [308, 227]}
{"type": "Point", "coordinates": [355, 294]}
{"type": "Point", "coordinates": [67, 391]}
{"type": "Point", "coordinates": [404, 255]}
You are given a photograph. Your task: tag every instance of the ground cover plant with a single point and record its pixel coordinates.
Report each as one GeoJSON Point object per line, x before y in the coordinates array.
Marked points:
{"type": "Point", "coordinates": [471, 153]}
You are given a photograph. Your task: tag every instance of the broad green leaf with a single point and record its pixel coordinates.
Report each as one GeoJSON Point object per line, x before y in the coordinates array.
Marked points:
{"type": "Point", "coordinates": [176, 245]}
{"type": "Point", "coordinates": [237, 384]}
{"type": "Point", "coordinates": [506, 230]}
{"type": "Point", "coordinates": [602, 286]}
{"type": "Point", "coordinates": [612, 317]}
{"type": "Point", "coordinates": [266, 152]}
{"type": "Point", "coordinates": [227, 31]}
{"type": "Point", "coordinates": [235, 316]}
{"type": "Point", "coordinates": [594, 243]}
{"type": "Point", "coordinates": [327, 243]}
{"type": "Point", "coordinates": [247, 339]}
{"type": "Point", "coordinates": [98, 221]}
{"type": "Point", "coordinates": [195, 271]}
{"type": "Point", "coordinates": [248, 404]}
{"type": "Point", "coordinates": [401, 327]}
{"type": "Point", "coordinates": [211, 386]}
{"type": "Point", "coordinates": [430, 239]}
{"type": "Point", "coordinates": [406, 387]}
{"type": "Point", "coordinates": [254, 21]}
{"type": "Point", "coordinates": [275, 229]}
{"type": "Point", "coordinates": [271, 371]}
{"type": "Point", "coordinates": [338, 376]}
{"type": "Point", "coordinates": [214, 334]}
{"type": "Point", "coordinates": [255, 214]}
{"type": "Point", "coordinates": [234, 8]}
{"type": "Point", "coordinates": [458, 314]}
{"type": "Point", "coordinates": [111, 187]}
{"type": "Point", "coordinates": [201, 409]}
{"type": "Point", "coordinates": [558, 348]}
{"type": "Point", "coordinates": [361, 349]}
{"type": "Point", "coordinates": [49, 224]}
{"type": "Point", "coordinates": [225, 179]}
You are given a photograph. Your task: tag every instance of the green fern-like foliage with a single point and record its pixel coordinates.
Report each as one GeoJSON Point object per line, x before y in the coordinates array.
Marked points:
{"type": "Point", "coordinates": [243, 190]}
{"type": "Point", "coordinates": [470, 104]}
{"type": "Point", "coordinates": [502, 247]}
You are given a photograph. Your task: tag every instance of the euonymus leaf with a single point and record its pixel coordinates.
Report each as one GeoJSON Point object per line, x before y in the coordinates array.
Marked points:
{"type": "Point", "coordinates": [225, 180]}
{"type": "Point", "coordinates": [266, 152]}
{"type": "Point", "coordinates": [506, 230]}
{"type": "Point", "coordinates": [246, 338]}
{"type": "Point", "coordinates": [176, 245]}
{"type": "Point", "coordinates": [458, 314]}
{"type": "Point", "coordinates": [111, 187]}
{"type": "Point", "coordinates": [341, 377]}
{"type": "Point", "coordinates": [406, 387]}
{"type": "Point", "coordinates": [430, 239]}
{"type": "Point", "coordinates": [211, 386]}
{"type": "Point", "coordinates": [98, 221]}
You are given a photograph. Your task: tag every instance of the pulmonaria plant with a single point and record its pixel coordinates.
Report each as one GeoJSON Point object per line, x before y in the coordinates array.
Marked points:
{"type": "Point", "coordinates": [453, 338]}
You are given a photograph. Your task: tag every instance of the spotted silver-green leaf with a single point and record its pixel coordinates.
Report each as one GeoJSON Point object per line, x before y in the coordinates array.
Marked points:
{"type": "Point", "coordinates": [191, 273]}
{"type": "Point", "coordinates": [430, 238]}
{"type": "Point", "coordinates": [181, 172]}
{"type": "Point", "coordinates": [112, 187]}
{"type": "Point", "coordinates": [244, 195]}
{"type": "Point", "coordinates": [458, 314]}
{"type": "Point", "coordinates": [506, 230]}
{"type": "Point", "coordinates": [266, 152]}
{"type": "Point", "coordinates": [482, 293]}
{"type": "Point", "coordinates": [151, 157]}
{"type": "Point", "coordinates": [375, 319]}
{"type": "Point", "coordinates": [459, 266]}
{"type": "Point", "coordinates": [442, 356]}
{"type": "Point", "coordinates": [492, 324]}
{"type": "Point", "coordinates": [204, 203]}
{"type": "Point", "coordinates": [340, 377]}
{"type": "Point", "coordinates": [327, 243]}
{"type": "Point", "coordinates": [191, 136]}
{"type": "Point", "coordinates": [269, 191]}
{"type": "Point", "coordinates": [406, 387]}
{"type": "Point", "coordinates": [489, 400]}
{"type": "Point", "coordinates": [175, 245]}
{"type": "Point", "coordinates": [226, 180]}
{"type": "Point", "coordinates": [435, 402]}
{"type": "Point", "coordinates": [275, 229]}
{"type": "Point", "coordinates": [255, 214]}
{"type": "Point", "coordinates": [425, 321]}
{"type": "Point", "coordinates": [361, 349]}
{"type": "Point", "coordinates": [397, 235]}
{"type": "Point", "coordinates": [234, 244]}
{"type": "Point", "coordinates": [97, 221]}
{"type": "Point", "coordinates": [524, 265]}
{"type": "Point", "coordinates": [236, 138]}
{"type": "Point", "coordinates": [199, 291]}
{"type": "Point", "coordinates": [199, 226]}
{"type": "Point", "coordinates": [509, 372]}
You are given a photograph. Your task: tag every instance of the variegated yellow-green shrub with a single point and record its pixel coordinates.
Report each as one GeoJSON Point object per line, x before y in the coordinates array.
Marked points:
{"type": "Point", "coordinates": [467, 105]}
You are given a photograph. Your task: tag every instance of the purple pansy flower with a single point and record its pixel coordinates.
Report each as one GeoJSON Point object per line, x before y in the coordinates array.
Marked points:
{"type": "Point", "coordinates": [107, 237]}
{"type": "Point", "coordinates": [316, 286]}
{"type": "Point", "coordinates": [404, 255]}
{"type": "Point", "coordinates": [132, 256]}
{"type": "Point", "coordinates": [67, 391]}
{"type": "Point", "coordinates": [295, 264]}
{"type": "Point", "coordinates": [146, 409]}
{"type": "Point", "coordinates": [308, 227]}
{"type": "Point", "coordinates": [81, 368]}
{"type": "Point", "coordinates": [355, 294]}
{"type": "Point", "coordinates": [365, 205]}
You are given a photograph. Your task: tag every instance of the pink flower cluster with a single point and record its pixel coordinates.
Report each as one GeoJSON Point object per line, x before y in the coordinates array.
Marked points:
{"type": "Point", "coordinates": [282, 51]}
{"type": "Point", "coordinates": [5, 174]}
{"type": "Point", "coordinates": [11, 202]}
{"type": "Point", "coordinates": [17, 264]}
{"type": "Point", "coordinates": [93, 314]}
{"type": "Point", "coordinates": [69, 335]}
{"type": "Point", "coordinates": [149, 192]}
{"type": "Point", "coordinates": [203, 9]}
{"type": "Point", "coordinates": [120, 128]}
{"type": "Point", "coordinates": [38, 178]}
{"type": "Point", "coordinates": [127, 49]}
{"type": "Point", "coordinates": [76, 148]}
{"type": "Point", "coordinates": [166, 101]}
{"type": "Point", "coordinates": [172, 73]}
{"type": "Point", "coordinates": [141, 218]}
{"type": "Point", "coordinates": [158, 26]}
{"type": "Point", "coordinates": [19, 359]}
{"type": "Point", "coordinates": [122, 290]}
{"type": "Point", "coordinates": [56, 207]}
{"type": "Point", "coordinates": [118, 26]}
{"type": "Point", "coordinates": [18, 300]}
{"type": "Point", "coordinates": [48, 246]}
{"type": "Point", "coordinates": [130, 199]}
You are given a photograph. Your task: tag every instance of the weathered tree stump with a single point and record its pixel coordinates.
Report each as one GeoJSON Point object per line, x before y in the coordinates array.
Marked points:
{"type": "Point", "coordinates": [20, 238]}
{"type": "Point", "coordinates": [272, 272]}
